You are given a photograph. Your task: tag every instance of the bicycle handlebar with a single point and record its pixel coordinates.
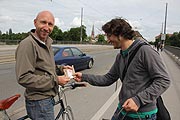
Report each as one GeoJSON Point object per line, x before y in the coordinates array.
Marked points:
{"type": "Point", "coordinates": [74, 85]}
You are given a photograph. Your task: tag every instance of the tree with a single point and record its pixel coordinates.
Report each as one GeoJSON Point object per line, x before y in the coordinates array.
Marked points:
{"type": "Point", "coordinates": [10, 34]}
{"type": "Point", "coordinates": [74, 34]}
{"type": "Point", "coordinates": [66, 36]}
{"type": "Point", "coordinates": [71, 35]}
{"type": "Point", "coordinates": [174, 40]}
{"type": "Point", "coordinates": [57, 34]}
{"type": "Point", "coordinates": [10, 31]}
{"type": "Point", "coordinates": [84, 35]}
{"type": "Point", "coordinates": [101, 38]}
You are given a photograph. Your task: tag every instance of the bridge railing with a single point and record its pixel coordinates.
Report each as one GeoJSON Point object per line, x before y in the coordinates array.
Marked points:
{"type": "Point", "coordinates": [174, 50]}
{"type": "Point", "coordinates": [174, 53]}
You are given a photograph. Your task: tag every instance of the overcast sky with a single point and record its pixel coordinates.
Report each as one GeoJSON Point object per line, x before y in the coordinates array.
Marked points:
{"type": "Point", "coordinates": [146, 16]}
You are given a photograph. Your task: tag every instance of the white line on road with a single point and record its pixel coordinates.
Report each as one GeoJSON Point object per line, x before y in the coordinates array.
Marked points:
{"type": "Point", "coordinates": [103, 109]}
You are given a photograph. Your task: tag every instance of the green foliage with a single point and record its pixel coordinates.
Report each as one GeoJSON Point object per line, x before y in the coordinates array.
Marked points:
{"type": "Point", "coordinates": [152, 43]}
{"type": "Point", "coordinates": [57, 34]}
{"type": "Point", "coordinates": [173, 40]}
{"type": "Point", "coordinates": [66, 36]}
{"type": "Point", "coordinates": [10, 31]}
{"type": "Point", "coordinates": [75, 33]}
{"type": "Point", "coordinates": [72, 35]}
{"type": "Point", "coordinates": [101, 38]}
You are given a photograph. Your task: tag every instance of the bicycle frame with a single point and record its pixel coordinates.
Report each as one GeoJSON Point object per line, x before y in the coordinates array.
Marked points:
{"type": "Point", "coordinates": [62, 106]}
{"type": "Point", "coordinates": [61, 103]}
{"type": "Point", "coordinates": [5, 104]}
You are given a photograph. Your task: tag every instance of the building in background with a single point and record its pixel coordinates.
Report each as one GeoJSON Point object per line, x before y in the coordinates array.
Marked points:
{"type": "Point", "coordinates": [93, 39]}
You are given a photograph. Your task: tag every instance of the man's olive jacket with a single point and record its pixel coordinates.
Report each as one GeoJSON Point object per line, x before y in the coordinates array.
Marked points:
{"type": "Point", "coordinates": [35, 68]}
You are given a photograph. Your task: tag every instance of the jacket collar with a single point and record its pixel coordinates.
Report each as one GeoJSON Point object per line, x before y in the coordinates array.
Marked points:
{"type": "Point", "coordinates": [48, 42]}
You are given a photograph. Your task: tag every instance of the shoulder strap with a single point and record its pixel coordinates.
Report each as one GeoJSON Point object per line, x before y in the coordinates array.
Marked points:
{"type": "Point", "coordinates": [131, 57]}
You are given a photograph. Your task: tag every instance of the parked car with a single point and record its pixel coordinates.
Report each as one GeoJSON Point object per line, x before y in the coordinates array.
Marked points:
{"type": "Point", "coordinates": [72, 56]}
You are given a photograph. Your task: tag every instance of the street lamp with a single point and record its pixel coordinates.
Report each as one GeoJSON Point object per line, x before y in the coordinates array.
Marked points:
{"type": "Point", "coordinates": [163, 36]}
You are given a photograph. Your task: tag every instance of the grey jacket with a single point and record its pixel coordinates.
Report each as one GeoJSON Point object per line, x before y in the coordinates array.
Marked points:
{"type": "Point", "coordinates": [35, 68]}
{"type": "Point", "coordinates": [145, 80]}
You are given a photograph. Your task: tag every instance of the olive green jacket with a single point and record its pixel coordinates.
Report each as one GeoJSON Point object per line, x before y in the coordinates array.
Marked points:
{"type": "Point", "coordinates": [35, 68]}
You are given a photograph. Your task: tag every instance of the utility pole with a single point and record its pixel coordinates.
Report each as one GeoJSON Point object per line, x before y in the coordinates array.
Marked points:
{"type": "Point", "coordinates": [163, 36]}
{"type": "Point", "coordinates": [81, 24]}
{"type": "Point", "coordinates": [162, 29]}
{"type": "Point", "coordinates": [165, 19]}
{"type": "Point", "coordinates": [162, 32]}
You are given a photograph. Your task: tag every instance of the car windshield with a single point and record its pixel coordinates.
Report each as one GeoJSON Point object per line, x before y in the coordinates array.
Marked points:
{"type": "Point", "coordinates": [55, 50]}
{"type": "Point", "coordinates": [76, 52]}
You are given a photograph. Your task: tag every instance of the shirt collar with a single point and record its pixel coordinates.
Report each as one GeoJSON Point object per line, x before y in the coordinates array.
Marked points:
{"type": "Point", "coordinates": [48, 42]}
{"type": "Point", "coordinates": [125, 52]}
{"type": "Point", "coordinates": [38, 39]}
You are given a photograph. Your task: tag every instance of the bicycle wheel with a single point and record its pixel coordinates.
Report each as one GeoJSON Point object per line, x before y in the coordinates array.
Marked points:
{"type": "Point", "coordinates": [68, 114]}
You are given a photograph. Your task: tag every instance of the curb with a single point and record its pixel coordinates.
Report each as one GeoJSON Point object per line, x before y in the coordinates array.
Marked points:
{"type": "Point", "coordinates": [174, 57]}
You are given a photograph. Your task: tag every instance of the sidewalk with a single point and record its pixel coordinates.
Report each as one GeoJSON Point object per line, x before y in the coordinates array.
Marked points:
{"type": "Point", "coordinates": [171, 96]}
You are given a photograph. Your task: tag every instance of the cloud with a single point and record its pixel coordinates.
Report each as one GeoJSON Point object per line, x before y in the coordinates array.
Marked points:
{"type": "Point", "coordinates": [173, 28]}
{"type": "Point", "coordinates": [136, 25]}
{"type": "Point", "coordinates": [76, 22]}
{"type": "Point", "coordinates": [99, 23]}
{"type": "Point", "coordinates": [5, 19]}
{"type": "Point", "coordinates": [58, 22]}
{"type": "Point", "coordinates": [98, 26]}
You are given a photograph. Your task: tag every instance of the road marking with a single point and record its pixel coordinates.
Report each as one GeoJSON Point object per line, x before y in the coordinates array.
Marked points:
{"type": "Point", "coordinates": [7, 61]}
{"type": "Point", "coordinates": [103, 109]}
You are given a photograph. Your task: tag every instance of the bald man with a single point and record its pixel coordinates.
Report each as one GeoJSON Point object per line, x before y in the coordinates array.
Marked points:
{"type": "Point", "coordinates": [35, 69]}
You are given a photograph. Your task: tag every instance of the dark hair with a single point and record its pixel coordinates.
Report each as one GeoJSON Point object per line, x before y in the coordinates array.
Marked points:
{"type": "Point", "coordinates": [118, 26]}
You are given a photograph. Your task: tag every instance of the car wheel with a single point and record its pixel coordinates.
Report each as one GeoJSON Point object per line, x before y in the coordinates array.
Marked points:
{"type": "Point", "coordinates": [90, 64]}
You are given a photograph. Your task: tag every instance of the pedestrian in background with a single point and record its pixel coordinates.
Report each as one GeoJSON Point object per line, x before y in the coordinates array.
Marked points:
{"type": "Point", "coordinates": [35, 69]}
{"type": "Point", "coordinates": [146, 77]}
{"type": "Point", "coordinates": [158, 46]}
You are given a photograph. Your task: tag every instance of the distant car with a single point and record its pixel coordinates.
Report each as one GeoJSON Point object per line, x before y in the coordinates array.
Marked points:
{"type": "Point", "coordinates": [72, 56]}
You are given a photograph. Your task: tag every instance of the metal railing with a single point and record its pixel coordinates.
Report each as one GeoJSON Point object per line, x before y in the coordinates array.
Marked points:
{"type": "Point", "coordinates": [173, 50]}
{"type": "Point", "coordinates": [15, 42]}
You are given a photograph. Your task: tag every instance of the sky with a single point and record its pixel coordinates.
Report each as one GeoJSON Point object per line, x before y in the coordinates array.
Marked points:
{"type": "Point", "coordinates": [146, 16]}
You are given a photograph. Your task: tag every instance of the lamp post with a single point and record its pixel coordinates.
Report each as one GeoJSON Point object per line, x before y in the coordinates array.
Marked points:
{"type": "Point", "coordinates": [163, 36]}
{"type": "Point", "coordinates": [81, 24]}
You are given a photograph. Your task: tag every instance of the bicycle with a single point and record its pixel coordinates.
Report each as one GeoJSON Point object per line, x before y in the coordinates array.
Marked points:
{"type": "Point", "coordinates": [65, 111]}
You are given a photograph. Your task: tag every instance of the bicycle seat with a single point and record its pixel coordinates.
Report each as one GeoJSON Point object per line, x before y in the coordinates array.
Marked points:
{"type": "Point", "coordinates": [6, 103]}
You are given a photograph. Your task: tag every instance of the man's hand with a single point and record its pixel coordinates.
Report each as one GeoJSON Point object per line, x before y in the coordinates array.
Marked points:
{"type": "Point", "coordinates": [130, 105]}
{"type": "Point", "coordinates": [68, 67]}
{"type": "Point", "coordinates": [62, 80]}
{"type": "Point", "coordinates": [78, 76]}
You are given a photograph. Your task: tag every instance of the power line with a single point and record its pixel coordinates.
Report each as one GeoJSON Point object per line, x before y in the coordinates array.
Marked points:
{"type": "Point", "coordinates": [95, 10]}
